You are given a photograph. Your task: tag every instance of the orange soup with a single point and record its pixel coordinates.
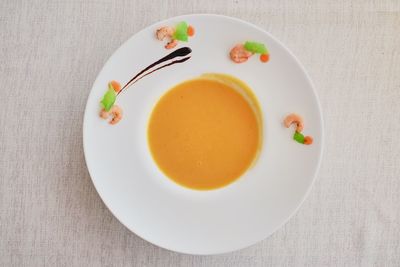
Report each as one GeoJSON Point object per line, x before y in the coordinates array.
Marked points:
{"type": "Point", "coordinates": [206, 132]}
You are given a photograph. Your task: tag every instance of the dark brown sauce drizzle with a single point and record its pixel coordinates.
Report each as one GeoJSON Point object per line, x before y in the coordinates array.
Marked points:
{"type": "Point", "coordinates": [181, 52]}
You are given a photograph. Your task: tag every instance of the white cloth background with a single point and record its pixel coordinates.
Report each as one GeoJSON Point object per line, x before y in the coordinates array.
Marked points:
{"type": "Point", "coordinates": [51, 52]}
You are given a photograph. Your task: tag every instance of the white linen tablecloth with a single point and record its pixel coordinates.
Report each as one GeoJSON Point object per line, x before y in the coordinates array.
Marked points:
{"type": "Point", "coordinates": [51, 52]}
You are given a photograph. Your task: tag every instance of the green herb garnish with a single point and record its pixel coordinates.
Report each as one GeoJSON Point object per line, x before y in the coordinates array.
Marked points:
{"type": "Point", "coordinates": [299, 137]}
{"type": "Point", "coordinates": [255, 47]}
{"type": "Point", "coordinates": [181, 31]}
{"type": "Point", "coordinates": [108, 98]}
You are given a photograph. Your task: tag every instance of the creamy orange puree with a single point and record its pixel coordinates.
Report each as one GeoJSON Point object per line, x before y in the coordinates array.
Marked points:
{"type": "Point", "coordinates": [206, 132]}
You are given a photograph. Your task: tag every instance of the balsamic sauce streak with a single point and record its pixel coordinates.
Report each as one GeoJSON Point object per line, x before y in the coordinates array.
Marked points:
{"type": "Point", "coordinates": [184, 51]}
{"type": "Point", "coordinates": [166, 65]}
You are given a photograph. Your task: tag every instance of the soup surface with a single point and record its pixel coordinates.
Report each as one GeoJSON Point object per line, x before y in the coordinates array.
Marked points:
{"type": "Point", "coordinates": [206, 132]}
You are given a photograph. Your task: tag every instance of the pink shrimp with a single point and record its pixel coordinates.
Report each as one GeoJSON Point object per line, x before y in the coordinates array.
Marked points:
{"type": "Point", "coordinates": [239, 54]}
{"type": "Point", "coordinates": [164, 32]}
{"type": "Point", "coordinates": [115, 112]}
{"type": "Point", "coordinates": [294, 118]}
{"type": "Point", "coordinates": [171, 44]}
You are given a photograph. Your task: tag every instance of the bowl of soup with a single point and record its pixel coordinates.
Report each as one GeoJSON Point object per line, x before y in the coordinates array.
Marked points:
{"type": "Point", "coordinates": [201, 161]}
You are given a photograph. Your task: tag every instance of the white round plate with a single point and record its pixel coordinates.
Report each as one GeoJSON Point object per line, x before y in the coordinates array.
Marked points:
{"type": "Point", "coordinates": [203, 222]}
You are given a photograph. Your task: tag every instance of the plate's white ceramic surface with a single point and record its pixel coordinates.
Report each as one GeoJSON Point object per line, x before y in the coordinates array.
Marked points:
{"type": "Point", "coordinates": [203, 222]}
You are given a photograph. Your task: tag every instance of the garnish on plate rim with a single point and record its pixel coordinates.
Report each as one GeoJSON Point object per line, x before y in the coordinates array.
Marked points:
{"type": "Point", "coordinates": [242, 52]}
{"type": "Point", "coordinates": [299, 122]}
{"type": "Point", "coordinates": [181, 32]}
